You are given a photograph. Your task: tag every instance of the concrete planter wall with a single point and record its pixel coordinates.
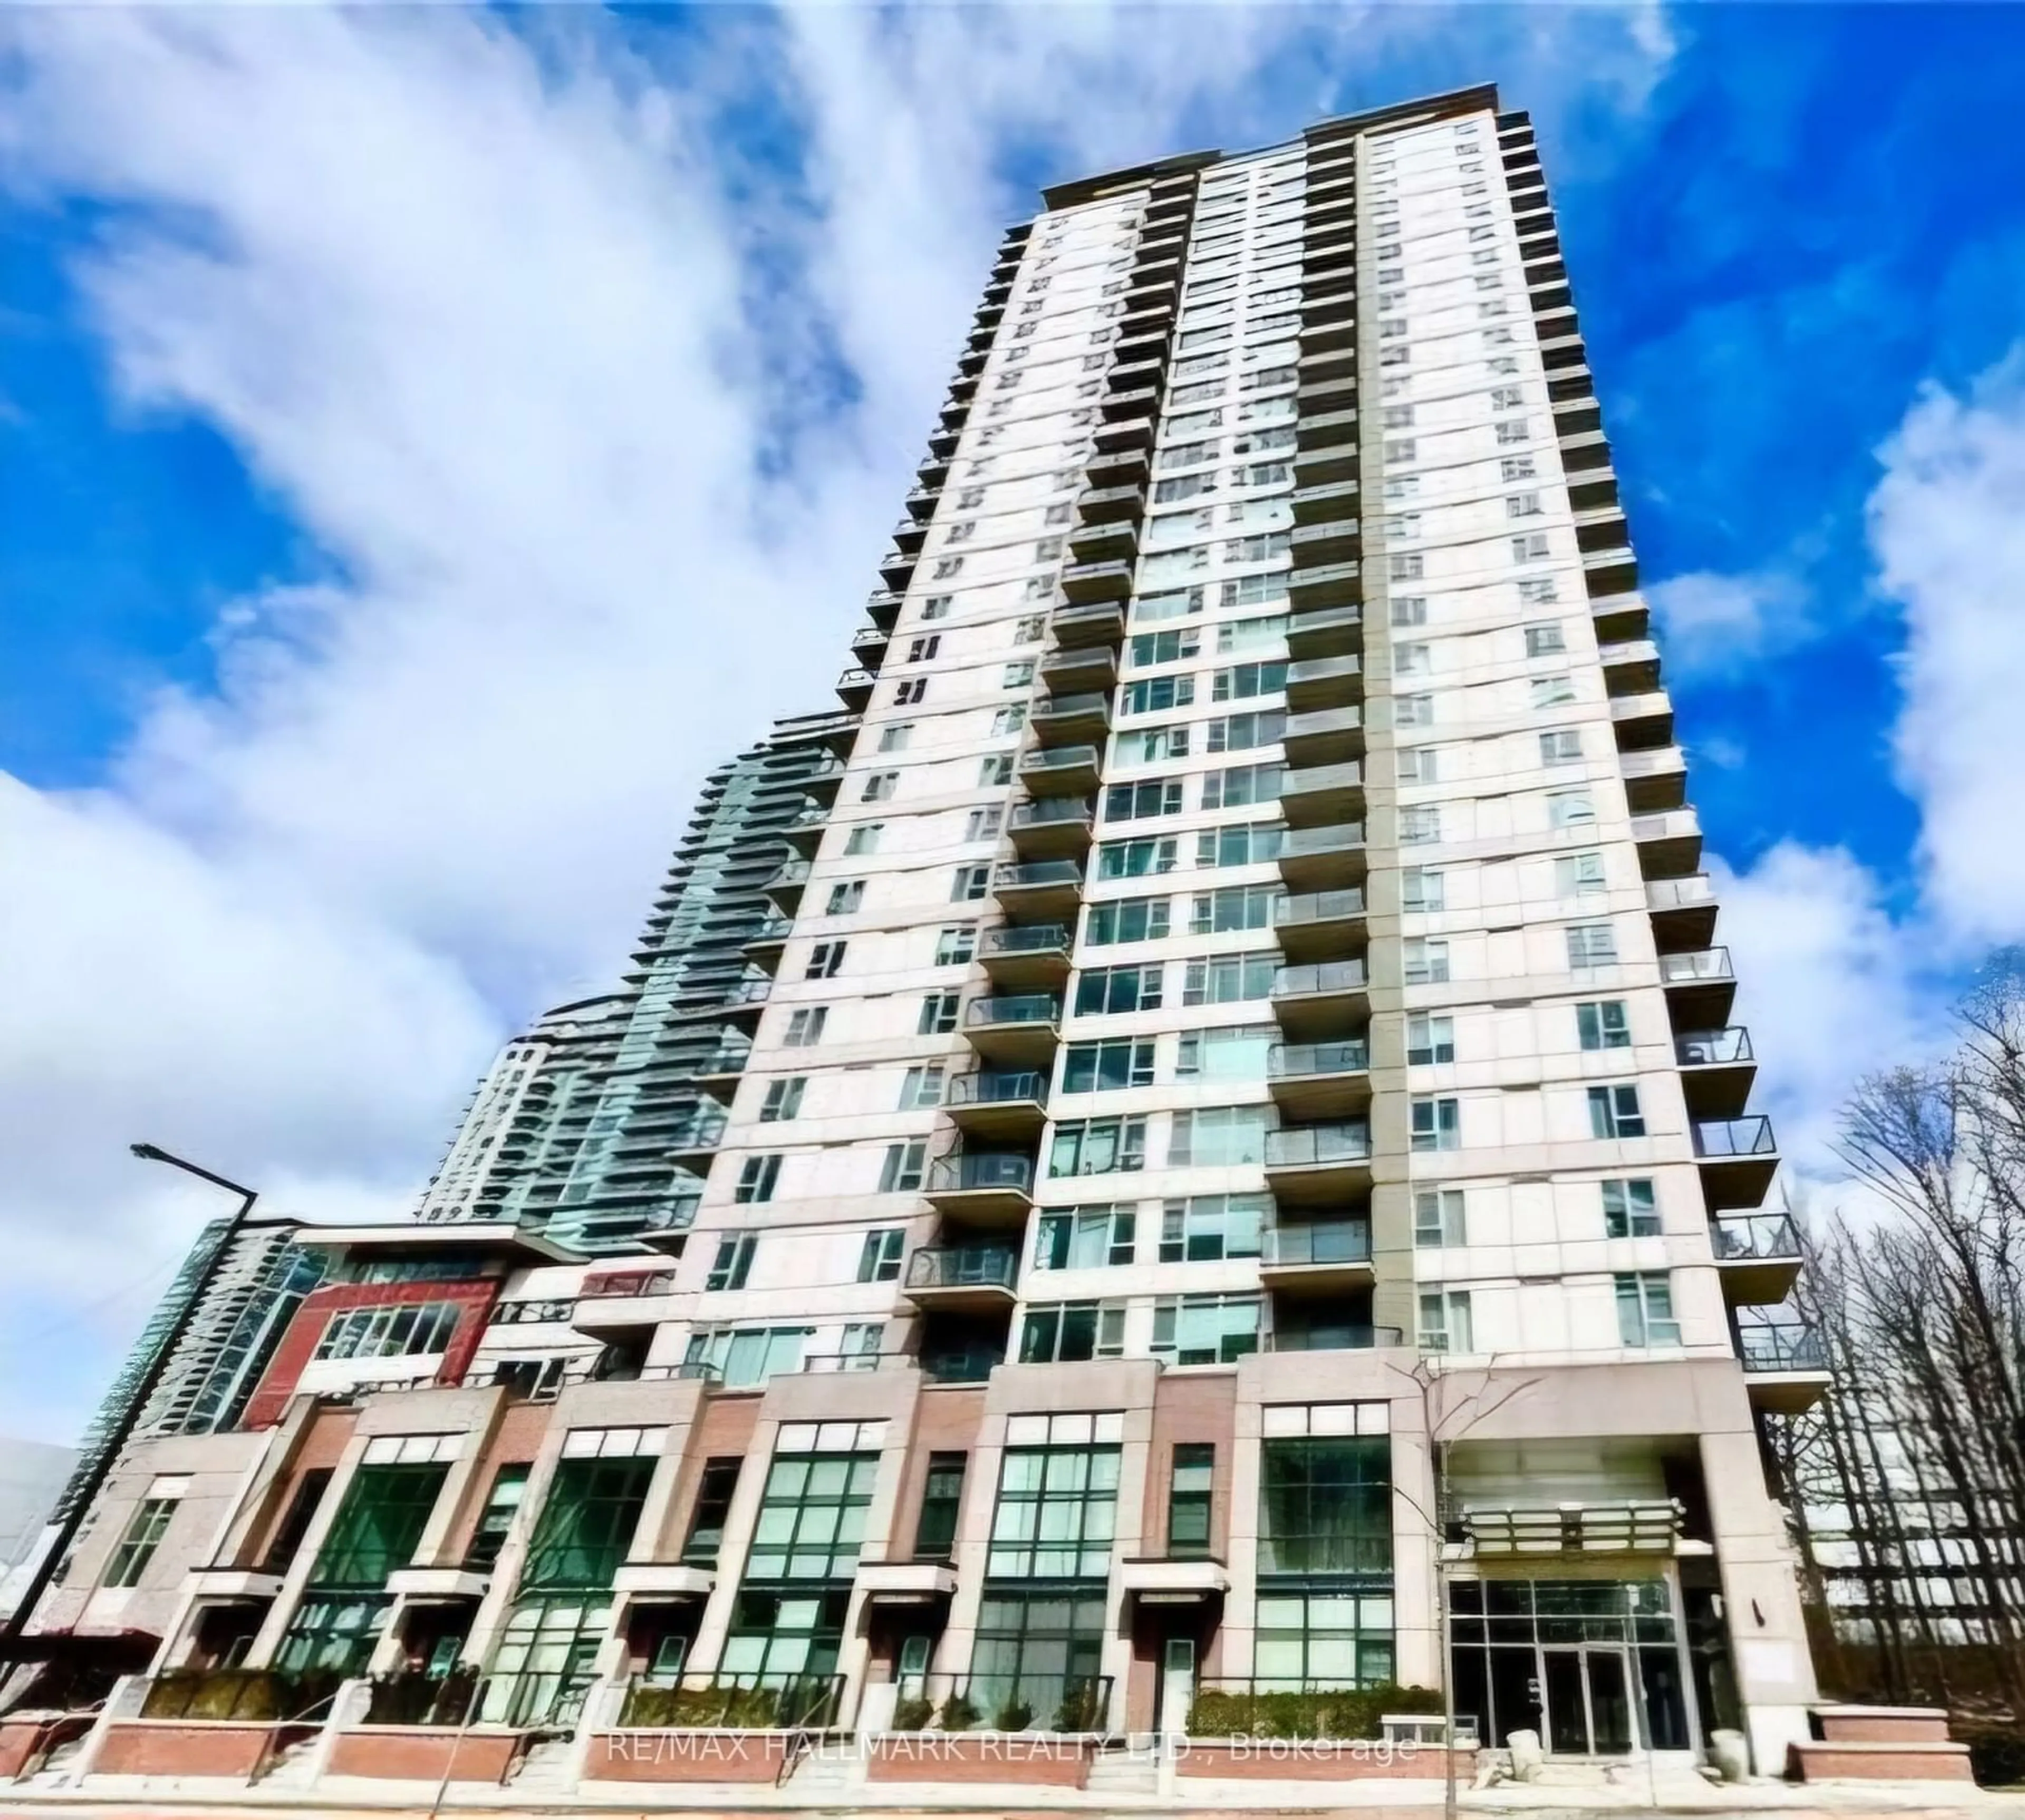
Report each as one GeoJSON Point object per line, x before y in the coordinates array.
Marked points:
{"type": "Point", "coordinates": [686, 1756]}
{"type": "Point", "coordinates": [423, 1754]}
{"type": "Point", "coordinates": [184, 1747]}
{"type": "Point", "coordinates": [1033, 1758]}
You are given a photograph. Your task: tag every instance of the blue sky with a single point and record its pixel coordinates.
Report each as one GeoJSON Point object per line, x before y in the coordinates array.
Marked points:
{"type": "Point", "coordinates": [394, 406]}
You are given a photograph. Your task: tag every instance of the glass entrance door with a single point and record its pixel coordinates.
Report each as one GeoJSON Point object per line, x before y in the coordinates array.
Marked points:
{"type": "Point", "coordinates": [1589, 1702]}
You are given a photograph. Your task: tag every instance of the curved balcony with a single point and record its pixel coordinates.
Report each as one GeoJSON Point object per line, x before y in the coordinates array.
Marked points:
{"type": "Point", "coordinates": [1028, 957]}
{"type": "Point", "coordinates": [1048, 889]}
{"type": "Point", "coordinates": [1669, 843]}
{"type": "Point", "coordinates": [718, 1073]}
{"type": "Point", "coordinates": [1716, 1070]}
{"type": "Point", "coordinates": [1327, 736]}
{"type": "Point", "coordinates": [1739, 1158]}
{"type": "Point", "coordinates": [1323, 859]}
{"type": "Point", "coordinates": [1701, 987]}
{"type": "Point", "coordinates": [869, 643]}
{"type": "Point", "coordinates": [884, 608]}
{"type": "Point", "coordinates": [1321, 999]}
{"type": "Point", "coordinates": [1319, 1257]}
{"type": "Point", "coordinates": [764, 947]}
{"type": "Point", "coordinates": [896, 569]}
{"type": "Point", "coordinates": [910, 534]}
{"type": "Point", "coordinates": [1319, 1165]}
{"type": "Point", "coordinates": [804, 834]}
{"type": "Point", "coordinates": [855, 688]}
{"type": "Point", "coordinates": [1320, 1080]}
{"type": "Point", "coordinates": [744, 1002]}
{"type": "Point", "coordinates": [1332, 632]}
{"type": "Point", "coordinates": [1065, 719]}
{"type": "Point", "coordinates": [1313, 925]}
{"type": "Point", "coordinates": [1051, 828]}
{"type": "Point", "coordinates": [1000, 1105]}
{"type": "Point", "coordinates": [1059, 770]}
{"type": "Point", "coordinates": [986, 1187]}
{"type": "Point", "coordinates": [1093, 623]}
{"type": "Point", "coordinates": [1015, 1033]}
{"type": "Point", "coordinates": [695, 1141]}
{"type": "Point", "coordinates": [1322, 794]}
{"type": "Point", "coordinates": [971, 1279]}
{"type": "Point", "coordinates": [1757, 1255]}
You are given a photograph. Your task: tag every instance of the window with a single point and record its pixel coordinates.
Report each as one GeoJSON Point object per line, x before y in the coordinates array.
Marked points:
{"type": "Point", "coordinates": [1421, 889]}
{"type": "Point", "coordinates": [1437, 1124]}
{"type": "Point", "coordinates": [1086, 1238]}
{"type": "Point", "coordinates": [846, 898]}
{"type": "Point", "coordinates": [1136, 859]}
{"type": "Point", "coordinates": [1133, 802]}
{"type": "Point", "coordinates": [921, 1086]}
{"type": "Point", "coordinates": [1445, 1323]}
{"type": "Point", "coordinates": [1553, 691]}
{"type": "Point", "coordinates": [1101, 991]}
{"type": "Point", "coordinates": [1058, 1499]}
{"type": "Point", "coordinates": [1413, 711]}
{"type": "Point", "coordinates": [1419, 823]}
{"type": "Point", "coordinates": [1570, 809]}
{"type": "Point", "coordinates": [1531, 545]}
{"type": "Point", "coordinates": [1242, 844]}
{"type": "Point", "coordinates": [1064, 1333]}
{"type": "Point", "coordinates": [503, 1504]}
{"type": "Point", "coordinates": [1018, 675]}
{"type": "Point", "coordinates": [1591, 945]}
{"type": "Point", "coordinates": [969, 883]}
{"type": "Point", "coordinates": [308, 1495]}
{"type": "Point", "coordinates": [1098, 1147]}
{"type": "Point", "coordinates": [1235, 1053]}
{"type": "Point", "coordinates": [903, 1167]}
{"type": "Point", "coordinates": [1241, 732]}
{"type": "Point", "coordinates": [1645, 1309]}
{"type": "Point", "coordinates": [1219, 1136]}
{"type": "Point", "coordinates": [1205, 1329]}
{"type": "Point", "coordinates": [1238, 906]}
{"type": "Point", "coordinates": [1191, 1483]}
{"type": "Point", "coordinates": [1538, 590]}
{"type": "Point", "coordinates": [1008, 720]}
{"type": "Point", "coordinates": [1562, 747]}
{"type": "Point", "coordinates": [714, 1487]}
{"type": "Point", "coordinates": [864, 838]}
{"type": "Point", "coordinates": [743, 1356]}
{"type": "Point", "coordinates": [1517, 468]}
{"type": "Point", "coordinates": [1242, 680]}
{"type": "Point", "coordinates": [418, 1328]}
{"type": "Point", "coordinates": [1125, 919]}
{"type": "Point", "coordinates": [1408, 566]}
{"type": "Point", "coordinates": [1613, 1111]}
{"type": "Point", "coordinates": [1413, 660]}
{"type": "Point", "coordinates": [1544, 641]}
{"type": "Point", "coordinates": [880, 786]}
{"type": "Point", "coordinates": [1099, 1067]}
{"type": "Point", "coordinates": [1578, 875]}
{"type": "Point", "coordinates": [825, 959]}
{"type": "Point", "coordinates": [733, 1262]}
{"type": "Point", "coordinates": [1438, 1217]}
{"type": "Point", "coordinates": [1604, 1024]}
{"type": "Point", "coordinates": [913, 690]}
{"type": "Point", "coordinates": [880, 1260]}
{"type": "Point", "coordinates": [757, 1176]}
{"type": "Point", "coordinates": [811, 1519]}
{"type": "Point", "coordinates": [1151, 647]}
{"type": "Point", "coordinates": [1027, 631]}
{"type": "Point", "coordinates": [993, 769]}
{"type": "Point", "coordinates": [956, 945]}
{"type": "Point", "coordinates": [1630, 1209]}
{"type": "Point", "coordinates": [142, 1536]}
{"type": "Point", "coordinates": [937, 606]}
{"type": "Point", "coordinates": [1430, 1039]}
{"type": "Point", "coordinates": [1207, 1228]}
{"type": "Point", "coordinates": [380, 1520]}
{"type": "Point", "coordinates": [894, 735]}
{"type": "Point", "coordinates": [1238, 785]}
{"type": "Point", "coordinates": [1425, 959]}
{"type": "Point", "coordinates": [1410, 610]}
{"type": "Point", "coordinates": [805, 1027]}
{"type": "Point", "coordinates": [942, 1499]}
{"type": "Point", "coordinates": [983, 824]}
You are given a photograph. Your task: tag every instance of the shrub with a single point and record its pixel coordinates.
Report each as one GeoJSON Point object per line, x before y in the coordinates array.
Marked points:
{"type": "Point", "coordinates": [1016, 1714]}
{"type": "Point", "coordinates": [959, 1714]}
{"type": "Point", "coordinates": [912, 1714]}
{"type": "Point", "coordinates": [1081, 1708]}
{"type": "Point", "coordinates": [1995, 1755]}
{"type": "Point", "coordinates": [1345, 1713]}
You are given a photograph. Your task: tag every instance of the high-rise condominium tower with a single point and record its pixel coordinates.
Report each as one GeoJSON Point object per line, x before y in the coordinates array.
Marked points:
{"type": "Point", "coordinates": [1244, 1159]}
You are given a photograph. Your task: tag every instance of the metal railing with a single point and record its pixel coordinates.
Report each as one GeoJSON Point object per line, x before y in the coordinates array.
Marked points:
{"type": "Point", "coordinates": [1753, 1237]}
{"type": "Point", "coordinates": [254, 1696]}
{"type": "Point", "coordinates": [1699, 964]}
{"type": "Point", "coordinates": [1352, 1337]}
{"type": "Point", "coordinates": [961, 1364]}
{"type": "Point", "coordinates": [1013, 874]}
{"type": "Point", "coordinates": [1705, 1048]}
{"type": "Point", "coordinates": [1785, 1346]}
{"type": "Point", "coordinates": [998, 1087]}
{"type": "Point", "coordinates": [1318, 906]}
{"type": "Point", "coordinates": [1305, 1145]}
{"type": "Point", "coordinates": [1028, 939]}
{"type": "Point", "coordinates": [1750, 1136]}
{"type": "Point", "coordinates": [1062, 1704]}
{"type": "Point", "coordinates": [856, 677]}
{"type": "Point", "coordinates": [409, 1697]}
{"type": "Point", "coordinates": [777, 928]}
{"type": "Point", "coordinates": [733, 1702]}
{"type": "Point", "coordinates": [657, 1282]}
{"type": "Point", "coordinates": [1321, 1241]}
{"type": "Point", "coordinates": [1295, 1060]}
{"type": "Point", "coordinates": [980, 1169]}
{"type": "Point", "coordinates": [697, 1133]}
{"type": "Point", "coordinates": [963, 1267]}
{"type": "Point", "coordinates": [1318, 976]}
{"type": "Point", "coordinates": [748, 992]}
{"type": "Point", "coordinates": [1058, 758]}
{"type": "Point", "coordinates": [1026, 1008]}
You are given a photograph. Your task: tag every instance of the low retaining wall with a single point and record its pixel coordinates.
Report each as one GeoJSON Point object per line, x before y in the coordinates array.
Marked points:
{"type": "Point", "coordinates": [1034, 1758]}
{"type": "Point", "coordinates": [418, 1753]}
{"type": "Point", "coordinates": [1883, 1725]}
{"type": "Point", "coordinates": [1316, 1760]}
{"type": "Point", "coordinates": [686, 1756]}
{"type": "Point", "coordinates": [22, 1741]}
{"type": "Point", "coordinates": [1933, 1762]}
{"type": "Point", "coordinates": [182, 1747]}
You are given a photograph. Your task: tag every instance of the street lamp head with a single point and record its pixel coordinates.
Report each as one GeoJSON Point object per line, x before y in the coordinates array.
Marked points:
{"type": "Point", "coordinates": [147, 1152]}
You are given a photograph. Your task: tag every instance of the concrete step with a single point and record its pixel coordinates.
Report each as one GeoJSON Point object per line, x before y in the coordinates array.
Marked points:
{"type": "Point", "coordinates": [295, 1768]}
{"type": "Point", "coordinates": [1118, 1772]}
{"type": "Point", "coordinates": [1882, 1725]}
{"type": "Point", "coordinates": [546, 1767]}
{"type": "Point", "coordinates": [1929, 1761]}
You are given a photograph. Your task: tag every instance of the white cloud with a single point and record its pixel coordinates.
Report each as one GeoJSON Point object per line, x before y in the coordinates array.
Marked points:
{"type": "Point", "coordinates": [1718, 626]}
{"type": "Point", "coordinates": [477, 312]}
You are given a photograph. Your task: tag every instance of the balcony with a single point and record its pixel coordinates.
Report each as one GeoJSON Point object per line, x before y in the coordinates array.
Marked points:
{"type": "Point", "coordinates": [1701, 989]}
{"type": "Point", "coordinates": [1785, 1365]}
{"type": "Point", "coordinates": [619, 1301]}
{"type": "Point", "coordinates": [1093, 583]}
{"type": "Point", "coordinates": [1327, 737]}
{"type": "Point", "coordinates": [1643, 720]}
{"type": "Point", "coordinates": [1332, 429]}
{"type": "Point", "coordinates": [1611, 571]}
{"type": "Point", "coordinates": [744, 1002]}
{"type": "Point", "coordinates": [1019, 1032]}
{"type": "Point", "coordinates": [1124, 504]}
{"type": "Point", "coordinates": [1051, 828]}
{"type": "Point", "coordinates": [1317, 1001]}
{"type": "Point", "coordinates": [1631, 667]}
{"type": "Point", "coordinates": [869, 643]}
{"type": "Point", "coordinates": [762, 950]}
{"type": "Point", "coordinates": [1617, 617]}
{"type": "Point", "coordinates": [1319, 1165]}
{"type": "Point", "coordinates": [1320, 549]}
{"type": "Point", "coordinates": [1119, 471]}
{"type": "Point", "coordinates": [1125, 436]}
{"type": "Point", "coordinates": [1329, 466]}
{"type": "Point", "coordinates": [1071, 719]}
{"type": "Point", "coordinates": [1670, 843]}
{"type": "Point", "coordinates": [1132, 400]}
{"type": "Point", "coordinates": [970, 1364]}
{"type": "Point", "coordinates": [719, 1073]}
{"type": "Point", "coordinates": [1042, 889]}
{"type": "Point", "coordinates": [1334, 632]}
{"type": "Point", "coordinates": [966, 1279]}
{"type": "Point", "coordinates": [1653, 779]}
{"type": "Point", "coordinates": [1323, 859]}
{"type": "Point", "coordinates": [1033, 956]}
{"type": "Point", "coordinates": [784, 887]}
{"type": "Point", "coordinates": [1739, 1157]}
{"type": "Point", "coordinates": [1109, 542]}
{"type": "Point", "coordinates": [1320, 1257]}
{"type": "Point", "coordinates": [1095, 667]}
{"type": "Point", "coordinates": [1325, 682]}
{"type": "Point", "coordinates": [1322, 794]}
{"type": "Point", "coordinates": [999, 1107]}
{"type": "Point", "coordinates": [1757, 1256]}
{"type": "Point", "coordinates": [1315, 590]}
{"type": "Point", "coordinates": [1334, 1336]}
{"type": "Point", "coordinates": [1683, 911]}
{"type": "Point", "coordinates": [855, 688]}
{"type": "Point", "coordinates": [910, 534]}
{"type": "Point", "coordinates": [896, 569]}
{"type": "Point", "coordinates": [1320, 1080]}
{"type": "Point", "coordinates": [1059, 770]}
{"type": "Point", "coordinates": [1317, 924]}
{"type": "Point", "coordinates": [988, 1188]}
{"type": "Point", "coordinates": [1717, 1069]}
{"type": "Point", "coordinates": [1075, 627]}
{"type": "Point", "coordinates": [884, 608]}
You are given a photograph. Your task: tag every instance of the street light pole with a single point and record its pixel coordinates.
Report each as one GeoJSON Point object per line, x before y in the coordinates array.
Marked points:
{"type": "Point", "coordinates": [12, 1631]}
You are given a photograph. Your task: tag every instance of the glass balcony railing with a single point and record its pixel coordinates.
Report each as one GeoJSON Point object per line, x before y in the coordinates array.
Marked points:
{"type": "Point", "coordinates": [1346, 776]}
{"type": "Point", "coordinates": [1701, 964]}
{"type": "Point", "coordinates": [961, 1364]}
{"type": "Point", "coordinates": [998, 1087]}
{"type": "Point", "coordinates": [1071, 706]}
{"type": "Point", "coordinates": [1667, 824]}
{"type": "Point", "coordinates": [1750, 1136]}
{"type": "Point", "coordinates": [1028, 1008]}
{"type": "Point", "coordinates": [963, 1267]}
{"type": "Point", "coordinates": [1060, 759]}
{"type": "Point", "coordinates": [1028, 939]}
{"type": "Point", "coordinates": [1359, 1338]}
{"type": "Point", "coordinates": [1755, 1237]}
{"type": "Point", "coordinates": [1319, 976]}
{"type": "Point", "coordinates": [1292, 1060]}
{"type": "Point", "coordinates": [1017, 875]}
{"type": "Point", "coordinates": [1781, 1346]}
{"type": "Point", "coordinates": [1048, 811]}
{"type": "Point", "coordinates": [748, 992]}
{"type": "Point", "coordinates": [1319, 906]}
{"type": "Point", "coordinates": [1305, 1145]}
{"type": "Point", "coordinates": [1321, 1241]}
{"type": "Point", "coordinates": [980, 1169]}
{"type": "Point", "coordinates": [1666, 894]}
{"type": "Point", "coordinates": [1338, 837]}
{"type": "Point", "coordinates": [1708, 1048]}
